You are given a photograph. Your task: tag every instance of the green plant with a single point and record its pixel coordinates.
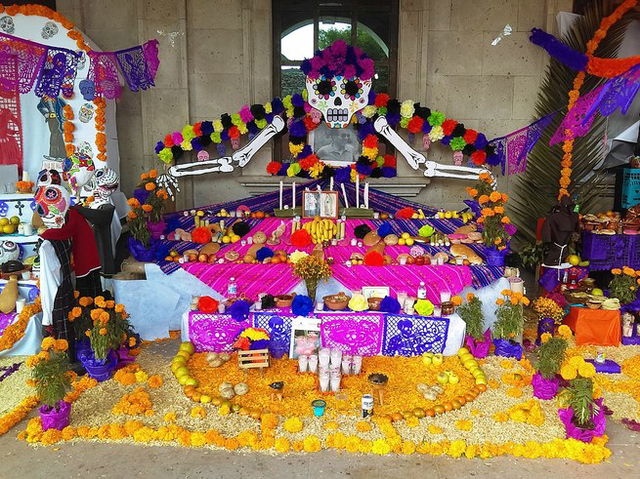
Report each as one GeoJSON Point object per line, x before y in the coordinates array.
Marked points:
{"type": "Point", "coordinates": [510, 314]}
{"type": "Point", "coordinates": [535, 190]}
{"type": "Point", "coordinates": [50, 371]}
{"type": "Point", "coordinates": [623, 285]}
{"type": "Point", "coordinates": [531, 255]}
{"type": "Point", "coordinates": [471, 314]}
{"type": "Point", "coordinates": [550, 356]}
{"type": "Point", "coordinates": [580, 399]}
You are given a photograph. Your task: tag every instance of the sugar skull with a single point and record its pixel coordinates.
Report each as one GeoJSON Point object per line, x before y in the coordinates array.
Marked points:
{"type": "Point", "coordinates": [103, 184]}
{"type": "Point", "coordinates": [49, 30]}
{"type": "Point", "coordinates": [80, 169]}
{"type": "Point", "coordinates": [7, 25]}
{"type": "Point", "coordinates": [9, 251]}
{"type": "Point", "coordinates": [86, 113]}
{"type": "Point", "coordinates": [88, 89]}
{"type": "Point", "coordinates": [52, 173]}
{"type": "Point", "coordinates": [338, 82]}
{"type": "Point", "coordinates": [85, 148]}
{"type": "Point", "coordinates": [52, 202]}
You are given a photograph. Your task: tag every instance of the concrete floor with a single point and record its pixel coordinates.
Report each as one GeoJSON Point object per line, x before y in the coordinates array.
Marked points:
{"type": "Point", "coordinates": [19, 460]}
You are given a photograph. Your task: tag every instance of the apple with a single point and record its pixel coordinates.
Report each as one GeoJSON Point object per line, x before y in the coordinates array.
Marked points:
{"type": "Point", "coordinates": [453, 378]}
{"type": "Point", "coordinates": [437, 359]}
{"type": "Point", "coordinates": [427, 360]}
{"type": "Point", "coordinates": [443, 378]}
{"type": "Point", "coordinates": [462, 351]}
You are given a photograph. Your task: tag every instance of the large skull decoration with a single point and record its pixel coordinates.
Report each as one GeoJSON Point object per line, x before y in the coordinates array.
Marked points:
{"type": "Point", "coordinates": [338, 82]}
{"type": "Point", "coordinates": [103, 184]}
{"type": "Point", "coordinates": [338, 97]}
{"type": "Point", "coordinates": [52, 202]}
{"type": "Point", "coordinates": [51, 174]}
{"type": "Point", "coordinates": [9, 251]}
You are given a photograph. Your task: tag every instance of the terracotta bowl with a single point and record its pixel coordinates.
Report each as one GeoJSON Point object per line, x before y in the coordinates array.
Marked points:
{"type": "Point", "coordinates": [284, 300]}
{"type": "Point", "coordinates": [335, 302]}
{"type": "Point", "coordinates": [374, 303]}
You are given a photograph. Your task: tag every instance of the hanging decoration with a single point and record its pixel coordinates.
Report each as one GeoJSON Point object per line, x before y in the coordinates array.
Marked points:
{"type": "Point", "coordinates": [138, 65]}
{"type": "Point", "coordinates": [58, 73]}
{"type": "Point", "coordinates": [512, 149]}
{"type": "Point", "coordinates": [10, 117]}
{"type": "Point", "coordinates": [30, 57]}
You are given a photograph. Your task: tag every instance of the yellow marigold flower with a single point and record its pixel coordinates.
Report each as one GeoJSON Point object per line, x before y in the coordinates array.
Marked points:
{"type": "Point", "coordinates": [141, 376]}
{"type": "Point", "coordinates": [576, 361]}
{"type": "Point", "coordinates": [433, 429]}
{"type": "Point", "coordinates": [544, 337]}
{"type": "Point", "coordinates": [483, 199]}
{"type": "Point", "coordinates": [587, 370]}
{"type": "Point", "coordinates": [61, 345]}
{"type": "Point", "coordinates": [616, 271]}
{"type": "Point", "coordinates": [102, 332]}
{"type": "Point", "coordinates": [293, 424]}
{"type": "Point", "coordinates": [119, 308]}
{"type": "Point", "coordinates": [568, 372]}
{"type": "Point", "coordinates": [495, 196]}
{"type": "Point", "coordinates": [85, 301]}
{"type": "Point", "coordinates": [48, 343]}
{"type": "Point", "coordinates": [312, 444]}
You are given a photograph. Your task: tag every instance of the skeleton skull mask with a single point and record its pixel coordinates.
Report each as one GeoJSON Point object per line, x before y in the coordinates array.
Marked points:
{"type": "Point", "coordinates": [9, 251]}
{"type": "Point", "coordinates": [338, 97]}
{"type": "Point", "coordinates": [49, 30]}
{"type": "Point", "coordinates": [52, 202]}
{"type": "Point", "coordinates": [104, 183]}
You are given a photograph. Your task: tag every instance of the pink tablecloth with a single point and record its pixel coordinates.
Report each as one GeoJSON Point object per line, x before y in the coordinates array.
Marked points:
{"type": "Point", "coordinates": [6, 320]}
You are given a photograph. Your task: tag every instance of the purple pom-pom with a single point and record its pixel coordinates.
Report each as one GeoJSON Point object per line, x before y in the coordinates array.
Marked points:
{"type": "Point", "coordinates": [263, 253]}
{"type": "Point", "coordinates": [276, 106]}
{"type": "Point", "coordinates": [298, 129]}
{"type": "Point", "coordinates": [494, 160]}
{"type": "Point", "coordinates": [390, 305]}
{"type": "Point", "coordinates": [343, 175]}
{"type": "Point", "coordinates": [239, 310]}
{"type": "Point", "coordinates": [206, 127]}
{"type": "Point", "coordinates": [389, 172]}
{"type": "Point", "coordinates": [393, 118]}
{"type": "Point", "coordinates": [481, 141]}
{"type": "Point", "coordinates": [302, 305]}
{"type": "Point", "coordinates": [363, 169]}
{"type": "Point", "coordinates": [159, 147]}
{"type": "Point", "coordinates": [195, 144]}
{"type": "Point", "coordinates": [297, 100]}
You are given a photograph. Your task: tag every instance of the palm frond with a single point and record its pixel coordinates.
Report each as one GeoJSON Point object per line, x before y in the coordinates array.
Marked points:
{"type": "Point", "coordinates": [536, 189]}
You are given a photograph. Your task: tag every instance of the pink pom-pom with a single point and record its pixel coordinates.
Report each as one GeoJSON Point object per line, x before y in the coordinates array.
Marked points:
{"type": "Point", "coordinates": [177, 138]}
{"type": "Point", "coordinates": [245, 114]}
{"type": "Point", "coordinates": [349, 71]}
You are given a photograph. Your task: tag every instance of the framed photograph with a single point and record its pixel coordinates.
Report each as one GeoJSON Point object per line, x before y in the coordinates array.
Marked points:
{"type": "Point", "coordinates": [305, 336]}
{"type": "Point", "coordinates": [320, 203]}
{"type": "Point", "coordinates": [375, 291]}
{"type": "Point", "coordinates": [335, 146]}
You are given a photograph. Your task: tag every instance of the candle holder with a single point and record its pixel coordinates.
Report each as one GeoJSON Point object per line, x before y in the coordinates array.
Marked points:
{"type": "Point", "coordinates": [288, 213]}
{"type": "Point", "coordinates": [356, 212]}
{"type": "Point", "coordinates": [379, 382]}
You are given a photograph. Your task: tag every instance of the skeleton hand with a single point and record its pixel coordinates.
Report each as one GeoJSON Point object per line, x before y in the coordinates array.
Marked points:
{"type": "Point", "coordinates": [241, 156]}
{"type": "Point", "coordinates": [168, 182]}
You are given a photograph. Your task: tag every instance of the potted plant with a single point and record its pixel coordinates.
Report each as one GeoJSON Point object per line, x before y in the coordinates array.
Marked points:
{"type": "Point", "coordinates": [549, 358]}
{"type": "Point", "coordinates": [477, 338]}
{"type": "Point", "coordinates": [624, 284]}
{"type": "Point", "coordinates": [550, 315]}
{"type": "Point", "coordinates": [496, 225]}
{"type": "Point", "coordinates": [312, 269]}
{"type": "Point", "coordinates": [80, 317]}
{"type": "Point", "coordinates": [145, 217]}
{"type": "Point", "coordinates": [51, 377]}
{"type": "Point", "coordinates": [108, 333]}
{"type": "Point", "coordinates": [584, 417]}
{"type": "Point", "coordinates": [509, 325]}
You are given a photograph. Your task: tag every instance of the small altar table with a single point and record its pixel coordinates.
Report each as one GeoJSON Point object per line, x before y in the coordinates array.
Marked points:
{"type": "Point", "coordinates": [595, 326]}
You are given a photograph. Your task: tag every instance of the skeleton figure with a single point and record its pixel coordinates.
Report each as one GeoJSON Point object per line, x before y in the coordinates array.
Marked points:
{"type": "Point", "coordinates": [52, 202]}
{"type": "Point", "coordinates": [103, 184]}
{"type": "Point", "coordinates": [338, 82]}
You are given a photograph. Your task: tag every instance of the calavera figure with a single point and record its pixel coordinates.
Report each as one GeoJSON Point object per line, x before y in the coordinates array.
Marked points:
{"type": "Point", "coordinates": [86, 113]}
{"type": "Point", "coordinates": [49, 30]}
{"type": "Point", "coordinates": [9, 251]}
{"type": "Point", "coordinates": [7, 25]}
{"type": "Point", "coordinates": [103, 184]}
{"type": "Point", "coordinates": [88, 89]}
{"type": "Point", "coordinates": [85, 149]}
{"type": "Point", "coordinates": [52, 201]}
{"type": "Point", "coordinates": [81, 169]}
{"type": "Point", "coordinates": [82, 61]}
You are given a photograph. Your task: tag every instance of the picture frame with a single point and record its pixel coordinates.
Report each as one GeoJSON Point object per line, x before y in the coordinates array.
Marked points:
{"type": "Point", "coordinates": [306, 330]}
{"type": "Point", "coordinates": [375, 291]}
{"type": "Point", "coordinates": [323, 204]}
{"type": "Point", "coordinates": [335, 146]}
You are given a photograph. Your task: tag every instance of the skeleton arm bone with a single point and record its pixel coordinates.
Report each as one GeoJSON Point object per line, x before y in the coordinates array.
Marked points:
{"type": "Point", "coordinates": [412, 156]}
{"type": "Point", "coordinates": [241, 156]}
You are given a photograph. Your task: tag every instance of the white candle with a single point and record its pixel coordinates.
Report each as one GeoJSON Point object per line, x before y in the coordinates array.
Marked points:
{"type": "Point", "coordinates": [293, 192]}
{"type": "Point", "coordinates": [344, 193]}
{"type": "Point", "coordinates": [366, 195]}
{"type": "Point", "coordinates": [25, 175]}
{"type": "Point", "coordinates": [281, 191]}
{"type": "Point", "coordinates": [318, 188]}
{"type": "Point", "coordinates": [331, 183]}
{"type": "Point", "coordinates": [357, 191]}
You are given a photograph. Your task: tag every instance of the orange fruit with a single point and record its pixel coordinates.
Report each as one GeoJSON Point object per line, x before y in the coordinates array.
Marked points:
{"type": "Point", "coordinates": [196, 397]}
{"type": "Point", "coordinates": [448, 406]}
{"type": "Point", "coordinates": [396, 416]}
{"type": "Point", "coordinates": [456, 404]}
{"type": "Point", "coordinates": [430, 412]}
{"type": "Point", "coordinates": [481, 387]}
{"type": "Point", "coordinates": [462, 400]}
{"type": "Point", "coordinates": [439, 409]}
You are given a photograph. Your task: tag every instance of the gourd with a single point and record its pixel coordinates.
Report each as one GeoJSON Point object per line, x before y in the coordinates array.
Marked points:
{"type": "Point", "coordinates": [9, 295]}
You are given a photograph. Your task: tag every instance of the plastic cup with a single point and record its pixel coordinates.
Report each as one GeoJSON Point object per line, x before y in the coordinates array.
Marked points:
{"type": "Point", "coordinates": [319, 406]}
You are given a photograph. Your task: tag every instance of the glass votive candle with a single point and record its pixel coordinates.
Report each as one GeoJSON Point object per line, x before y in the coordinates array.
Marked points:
{"type": "Point", "coordinates": [402, 260]}
{"type": "Point", "coordinates": [243, 242]}
{"type": "Point", "coordinates": [445, 296]}
{"type": "Point", "coordinates": [354, 242]}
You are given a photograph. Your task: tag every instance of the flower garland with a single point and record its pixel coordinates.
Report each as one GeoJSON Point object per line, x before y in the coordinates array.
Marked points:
{"type": "Point", "coordinates": [574, 94]}
{"type": "Point", "coordinates": [18, 414]}
{"type": "Point", "coordinates": [100, 122]}
{"type": "Point", "coordinates": [14, 333]}
{"type": "Point", "coordinates": [68, 128]}
{"type": "Point", "coordinates": [301, 119]}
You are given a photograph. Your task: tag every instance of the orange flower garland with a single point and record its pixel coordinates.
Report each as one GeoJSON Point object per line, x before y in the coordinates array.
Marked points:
{"type": "Point", "coordinates": [68, 129]}
{"type": "Point", "coordinates": [592, 45]}
{"type": "Point", "coordinates": [18, 414]}
{"type": "Point", "coordinates": [12, 334]}
{"type": "Point", "coordinates": [100, 122]}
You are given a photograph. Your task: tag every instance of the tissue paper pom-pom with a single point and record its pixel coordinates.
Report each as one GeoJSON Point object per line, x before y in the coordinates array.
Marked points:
{"type": "Point", "coordinates": [206, 127]}
{"type": "Point", "coordinates": [301, 305]}
{"type": "Point", "coordinates": [436, 118]}
{"type": "Point", "coordinates": [373, 258]}
{"type": "Point", "coordinates": [273, 167]}
{"type": "Point", "coordinates": [389, 172]}
{"type": "Point", "coordinates": [393, 106]}
{"type": "Point", "coordinates": [426, 231]}
{"type": "Point", "coordinates": [301, 238]}
{"type": "Point", "coordinates": [358, 302]}
{"type": "Point", "coordinates": [436, 133]}
{"type": "Point", "coordinates": [481, 141]}
{"type": "Point", "coordinates": [342, 175]}
{"type": "Point", "coordinates": [478, 157]}
{"type": "Point", "coordinates": [268, 301]}
{"type": "Point", "coordinates": [457, 143]}
{"type": "Point", "coordinates": [363, 169]}
{"type": "Point", "coordinates": [166, 155]}
{"type": "Point", "coordinates": [381, 100]}
{"type": "Point", "coordinates": [361, 230]}
{"type": "Point", "coordinates": [470, 135]}
{"type": "Point", "coordinates": [168, 140]}
{"type": "Point", "coordinates": [415, 124]}
{"type": "Point", "coordinates": [263, 253]}
{"type": "Point", "coordinates": [159, 147]}
{"type": "Point", "coordinates": [390, 305]}
{"type": "Point", "coordinates": [294, 169]}
{"type": "Point", "coordinates": [240, 228]}
{"type": "Point", "coordinates": [384, 229]}
{"type": "Point", "coordinates": [239, 310]}
{"type": "Point", "coordinates": [405, 213]}
{"type": "Point", "coordinates": [448, 126]}
{"type": "Point", "coordinates": [201, 235]}
{"type": "Point", "coordinates": [424, 307]}
{"type": "Point", "coordinates": [407, 109]}
{"type": "Point", "coordinates": [207, 304]}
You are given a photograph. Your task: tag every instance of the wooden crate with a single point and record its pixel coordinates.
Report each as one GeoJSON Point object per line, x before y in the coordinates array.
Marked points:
{"type": "Point", "coordinates": [254, 358]}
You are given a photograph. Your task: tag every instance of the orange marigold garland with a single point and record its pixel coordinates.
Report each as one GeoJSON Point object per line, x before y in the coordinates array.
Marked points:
{"type": "Point", "coordinates": [100, 122]}
{"type": "Point", "coordinates": [68, 128]}
{"type": "Point", "coordinates": [574, 94]}
{"type": "Point", "coordinates": [12, 334]}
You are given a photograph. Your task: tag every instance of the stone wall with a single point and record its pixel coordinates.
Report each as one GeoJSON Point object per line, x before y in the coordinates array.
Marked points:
{"type": "Point", "coordinates": [216, 56]}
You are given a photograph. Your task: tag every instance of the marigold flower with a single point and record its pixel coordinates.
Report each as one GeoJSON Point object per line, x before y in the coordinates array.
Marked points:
{"type": "Point", "coordinates": [153, 173]}
{"type": "Point", "coordinates": [495, 196]}
{"type": "Point", "coordinates": [103, 331]}
{"type": "Point", "coordinates": [568, 372]}
{"type": "Point", "coordinates": [616, 271]}
{"type": "Point", "coordinates": [150, 186]}
{"type": "Point", "coordinates": [147, 208]}
{"type": "Point", "coordinates": [483, 199]}
{"type": "Point", "coordinates": [61, 345]}
{"type": "Point", "coordinates": [48, 343]}
{"type": "Point", "coordinates": [456, 300]}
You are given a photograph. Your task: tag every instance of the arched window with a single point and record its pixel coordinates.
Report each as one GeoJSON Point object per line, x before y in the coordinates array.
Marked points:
{"type": "Point", "coordinates": [300, 27]}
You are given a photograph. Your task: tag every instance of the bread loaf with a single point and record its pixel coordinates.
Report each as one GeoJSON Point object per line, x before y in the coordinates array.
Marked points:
{"type": "Point", "coordinates": [464, 250]}
{"type": "Point", "coordinates": [9, 295]}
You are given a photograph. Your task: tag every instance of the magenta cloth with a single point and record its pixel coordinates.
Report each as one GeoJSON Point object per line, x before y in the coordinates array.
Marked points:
{"type": "Point", "coordinates": [6, 320]}
{"type": "Point", "coordinates": [544, 388]}
{"type": "Point", "coordinates": [251, 279]}
{"type": "Point", "coordinates": [479, 348]}
{"type": "Point", "coordinates": [575, 119]}
{"type": "Point", "coordinates": [103, 72]}
{"type": "Point", "coordinates": [215, 332]}
{"type": "Point", "coordinates": [584, 435]}
{"type": "Point", "coordinates": [30, 57]}
{"type": "Point", "coordinates": [151, 57]}
{"type": "Point", "coordinates": [406, 278]}
{"type": "Point", "coordinates": [353, 333]}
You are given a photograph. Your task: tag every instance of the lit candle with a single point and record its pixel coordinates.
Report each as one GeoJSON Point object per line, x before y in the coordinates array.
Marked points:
{"type": "Point", "coordinates": [25, 175]}
{"type": "Point", "coordinates": [357, 191]}
{"type": "Point", "coordinates": [344, 193]}
{"type": "Point", "coordinates": [331, 184]}
{"type": "Point", "coordinates": [366, 195]}
{"type": "Point", "coordinates": [281, 190]}
{"type": "Point", "coordinates": [293, 192]}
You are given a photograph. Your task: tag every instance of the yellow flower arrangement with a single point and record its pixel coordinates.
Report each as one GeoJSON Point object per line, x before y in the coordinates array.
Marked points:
{"type": "Point", "coordinates": [464, 425]}
{"type": "Point", "coordinates": [293, 424]}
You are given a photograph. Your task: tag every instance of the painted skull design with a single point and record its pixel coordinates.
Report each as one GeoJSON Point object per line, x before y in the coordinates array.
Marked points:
{"type": "Point", "coordinates": [338, 82]}
{"type": "Point", "coordinates": [52, 202]}
{"type": "Point", "coordinates": [9, 251]}
{"type": "Point", "coordinates": [86, 113]}
{"type": "Point", "coordinates": [7, 25]}
{"type": "Point", "coordinates": [80, 169]}
{"type": "Point", "coordinates": [49, 30]}
{"type": "Point", "coordinates": [103, 184]}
